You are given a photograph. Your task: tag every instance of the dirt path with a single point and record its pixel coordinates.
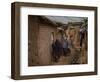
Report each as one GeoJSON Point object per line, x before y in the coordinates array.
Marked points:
{"type": "Point", "coordinates": [75, 57]}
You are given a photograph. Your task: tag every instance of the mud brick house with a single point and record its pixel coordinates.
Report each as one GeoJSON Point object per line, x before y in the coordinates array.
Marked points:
{"type": "Point", "coordinates": [41, 33]}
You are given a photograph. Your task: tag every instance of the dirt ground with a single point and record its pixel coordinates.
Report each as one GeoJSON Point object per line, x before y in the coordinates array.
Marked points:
{"type": "Point", "coordinates": [77, 56]}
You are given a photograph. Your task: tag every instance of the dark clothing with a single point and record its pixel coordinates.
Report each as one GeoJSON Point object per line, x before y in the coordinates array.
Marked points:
{"type": "Point", "coordinates": [82, 35]}
{"type": "Point", "coordinates": [57, 50]}
{"type": "Point", "coordinates": [66, 50]}
{"type": "Point", "coordinates": [65, 43]}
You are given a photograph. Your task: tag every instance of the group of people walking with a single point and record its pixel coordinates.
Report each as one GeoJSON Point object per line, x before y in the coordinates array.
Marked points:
{"type": "Point", "coordinates": [60, 48]}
